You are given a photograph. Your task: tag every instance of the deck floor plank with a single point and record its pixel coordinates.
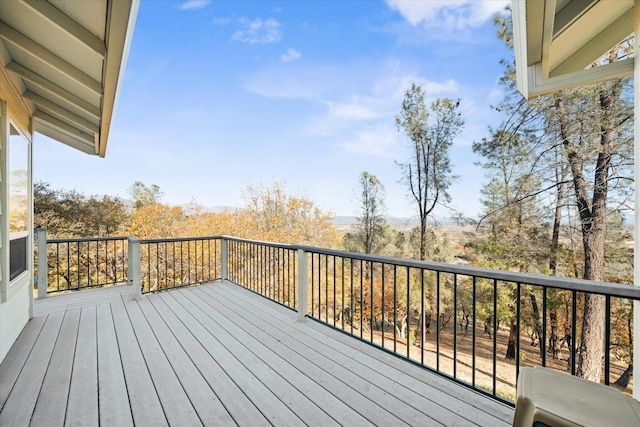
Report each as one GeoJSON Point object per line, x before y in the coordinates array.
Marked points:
{"type": "Point", "coordinates": [143, 397]}
{"type": "Point", "coordinates": [175, 402]}
{"type": "Point", "coordinates": [113, 398]}
{"type": "Point", "coordinates": [214, 354]}
{"type": "Point", "coordinates": [17, 356]}
{"type": "Point", "coordinates": [319, 405]}
{"type": "Point", "coordinates": [82, 405]}
{"type": "Point", "coordinates": [206, 403]}
{"type": "Point", "coordinates": [52, 402]}
{"type": "Point", "coordinates": [265, 399]}
{"type": "Point", "coordinates": [457, 398]}
{"type": "Point", "coordinates": [402, 402]}
{"type": "Point", "coordinates": [363, 411]}
{"type": "Point", "coordinates": [19, 406]}
{"type": "Point", "coordinates": [360, 357]}
{"type": "Point", "coordinates": [81, 299]}
{"type": "Point", "coordinates": [240, 407]}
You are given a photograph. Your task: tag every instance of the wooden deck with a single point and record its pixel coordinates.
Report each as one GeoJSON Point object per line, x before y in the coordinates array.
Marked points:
{"type": "Point", "coordinates": [214, 354]}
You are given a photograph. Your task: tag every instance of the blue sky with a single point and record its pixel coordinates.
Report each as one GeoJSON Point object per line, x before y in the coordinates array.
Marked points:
{"type": "Point", "coordinates": [221, 94]}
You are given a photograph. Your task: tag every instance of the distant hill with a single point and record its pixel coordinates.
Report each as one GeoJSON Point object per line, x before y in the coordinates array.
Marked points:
{"type": "Point", "coordinates": [345, 222]}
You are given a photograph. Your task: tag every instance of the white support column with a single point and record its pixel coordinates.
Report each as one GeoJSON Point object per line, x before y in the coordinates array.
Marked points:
{"type": "Point", "coordinates": [636, 174]}
{"type": "Point", "coordinates": [133, 262]}
{"type": "Point", "coordinates": [303, 285]}
{"type": "Point", "coordinates": [41, 237]}
{"type": "Point", "coordinates": [224, 259]}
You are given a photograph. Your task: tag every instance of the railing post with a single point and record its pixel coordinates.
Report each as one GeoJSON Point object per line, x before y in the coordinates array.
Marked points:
{"type": "Point", "coordinates": [224, 259]}
{"type": "Point", "coordinates": [133, 263]}
{"type": "Point", "coordinates": [41, 236]}
{"type": "Point", "coordinates": [303, 285]}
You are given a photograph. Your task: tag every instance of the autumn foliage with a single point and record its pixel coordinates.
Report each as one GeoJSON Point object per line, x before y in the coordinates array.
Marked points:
{"type": "Point", "coordinates": [270, 213]}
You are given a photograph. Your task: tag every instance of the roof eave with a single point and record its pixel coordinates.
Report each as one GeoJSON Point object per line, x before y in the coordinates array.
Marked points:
{"type": "Point", "coordinates": [533, 76]}
{"type": "Point", "coordinates": [121, 15]}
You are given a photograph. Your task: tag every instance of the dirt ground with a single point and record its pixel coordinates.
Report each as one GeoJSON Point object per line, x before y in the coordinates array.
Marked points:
{"type": "Point", "coordinates": [505, 369]}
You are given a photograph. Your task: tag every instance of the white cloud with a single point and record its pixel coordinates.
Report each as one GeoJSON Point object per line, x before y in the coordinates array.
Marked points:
{"type": "Point", "coordinates": [448, 14]}
{"type": "Point", "coordinates": [193, 4]}
{"type": "Point", "coordinates": [291, 55]}
{"type": "Point", "coordinates": [351, 111]}
{"type": "Point", "coordinates": [258, 31]}
{"type": "Point", "coordinates": [221, 21]}
{"type": "Point", "coordinates": [437, 88]}
{"type": "Point", "coordinates": [381, 140]}
{"type": "Point", "coordinates": [496, 95]}
{"type": "Point", "coordinates": [354, 107]}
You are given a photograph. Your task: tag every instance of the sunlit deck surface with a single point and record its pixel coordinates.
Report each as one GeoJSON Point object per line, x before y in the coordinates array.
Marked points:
{"type": "Point", "coordinates": [213, 354]}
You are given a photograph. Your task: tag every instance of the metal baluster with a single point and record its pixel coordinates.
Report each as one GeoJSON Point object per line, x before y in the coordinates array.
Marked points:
{"type": "Point", "coordinates": [544, 326]}
{"type": "Point", "coordinates": [455, 324]}
{"type": "Point", "coordinates": [518, 308]}
{"type": "Point", "coordinates": [423, 320]}
{"type": "Point", "coordinates": [473, 333]}
{"type": "Point", "coordinates": [607, 339]}
{"type": "Point", "coordinates": [408, 333]}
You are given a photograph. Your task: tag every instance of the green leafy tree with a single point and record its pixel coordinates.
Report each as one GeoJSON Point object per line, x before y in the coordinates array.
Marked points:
{"type": "Point", "coordinates": [371, 222]}
{"type": "Point", "coordinates": [431, 132]}
{"type": "Point", "coordinates": [68, 213]}
{"type": "Point", "coordinates": [583, 135]}
{"type": "Point", "coordinates": [144, 196]}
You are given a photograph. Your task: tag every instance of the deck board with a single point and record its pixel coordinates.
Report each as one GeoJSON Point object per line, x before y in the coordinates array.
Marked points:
{"type": "Point", "coordinates": [214, 354]}
{"type": "Point", "coordinates": [361, 409]}
{"type": "Point", "coordinates": [14, 361]}
{"type": "Point", "coordinates": [402, 394]}
{"type": "Point", "coordinates": [19, 406]}
{"type": "Point", "coordinates": [52, 401]}
{"type": "Point", "coordinates": [298, 392]}
{"type": "Point", "coordinates": [235, 401]}
{"type": "Point", "coordinates": [264, 398]}
{"type": "Point", "coordinates": [391, 367]}
{"type": "Point", "coordinates": [177, 406]}
{"type": "Point", "coordinates": [209, 408]}
{"type": "Point", "coordinates": [113, 398]}
{"type": "Point", "coordinates": [82, 404]}
{"type": "Point", "coordinates": [143, 398]}
{"type": "Point", "coordinates": [81, 299]}
{"type": "Point", "coordinates": [293, 369]}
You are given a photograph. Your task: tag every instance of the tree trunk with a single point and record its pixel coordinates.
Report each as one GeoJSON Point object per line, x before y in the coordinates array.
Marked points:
{"type": "Point", "coordinates": [554, 337]}
{"type": "Point", "coordinates": [557, 219]}
{"type": "Point", "coordinates": [487, 326]}
{"type": "Point", "coordinates": [623, 381]}
{"type": "Point", "coordinates": [423, 238]}
{"type": "Point", "coordinates": [511, 346]}
{"type": "Point", "coordinates": [425, 321]}
{"type": "Point", "coordinates": [592, 218]}
{"type": "Point", "coordinates": [537, 323]}
{"type": "Point", "coordinates": [403, 328]}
